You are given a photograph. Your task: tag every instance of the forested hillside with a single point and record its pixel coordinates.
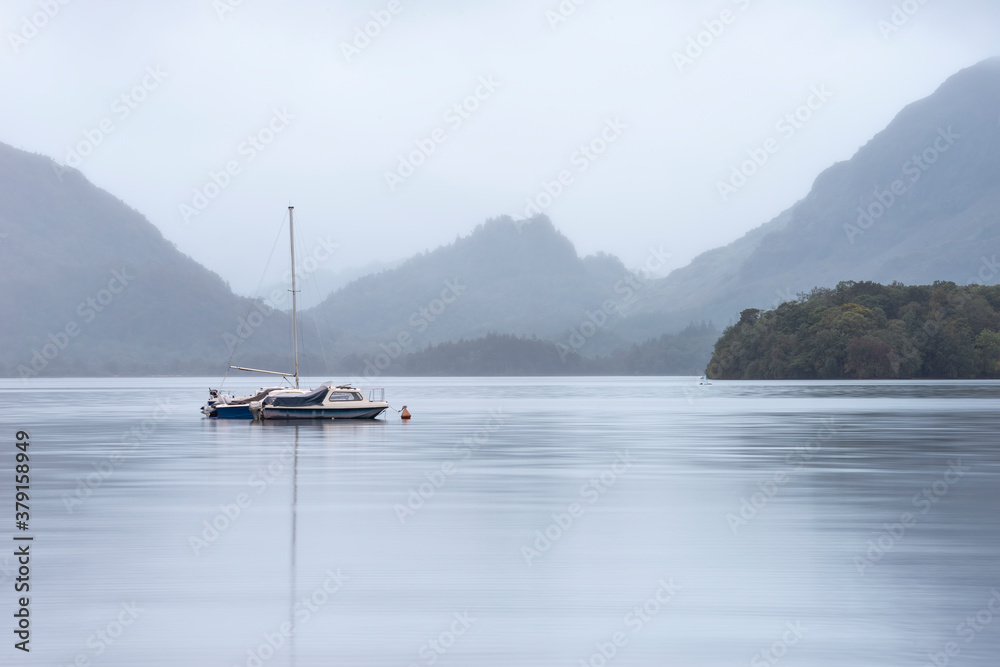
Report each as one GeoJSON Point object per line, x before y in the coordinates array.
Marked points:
{"type": "Point", "coordinates": [866, 330]}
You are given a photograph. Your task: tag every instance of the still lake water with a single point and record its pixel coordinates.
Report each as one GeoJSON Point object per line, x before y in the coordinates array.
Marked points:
{"type": "Point", "coordinates": [607, 521]}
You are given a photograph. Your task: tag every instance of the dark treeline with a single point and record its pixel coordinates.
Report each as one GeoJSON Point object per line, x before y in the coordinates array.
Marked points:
{"type": "Point", "coordinates": [684, 353]}
{"type": "Point", "coordinates": [864, 330]}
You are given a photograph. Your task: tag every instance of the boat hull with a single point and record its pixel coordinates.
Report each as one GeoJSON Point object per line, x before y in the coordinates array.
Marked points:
{"type": "Point", "coordinates": [230, 407]}
{"type": "Point", "coordinates": [367, 412]}
{"type": "Point", "coordinates": [232, 412]}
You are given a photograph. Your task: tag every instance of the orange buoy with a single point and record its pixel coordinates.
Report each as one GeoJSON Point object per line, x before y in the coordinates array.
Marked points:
{"type": "Point", "coordinates": [404, 413]}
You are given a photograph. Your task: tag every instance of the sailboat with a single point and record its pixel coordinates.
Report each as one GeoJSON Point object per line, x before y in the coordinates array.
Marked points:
{"type": "Point", "coordinates": [223, 405]}
{"type": "Point", "coordinates": [326, 402]}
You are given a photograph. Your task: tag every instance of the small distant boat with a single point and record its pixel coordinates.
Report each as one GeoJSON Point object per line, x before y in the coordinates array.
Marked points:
{"type": "Point", "coordinates": [705, 380]}
{"type": "Point", "coordinates": [328, 402]}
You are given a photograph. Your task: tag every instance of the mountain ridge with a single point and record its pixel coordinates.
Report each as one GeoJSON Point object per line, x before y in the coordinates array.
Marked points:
{"type": "Point", "coordinates": [946, 199]}
{"type": "Point", "coordinates": [94, 288]}
{"type": "Point", "coordinates": [501, 278]}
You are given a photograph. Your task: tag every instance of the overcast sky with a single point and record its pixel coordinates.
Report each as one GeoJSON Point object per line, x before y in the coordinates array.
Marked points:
{"type": "Point", "coordinates": [339, 112]}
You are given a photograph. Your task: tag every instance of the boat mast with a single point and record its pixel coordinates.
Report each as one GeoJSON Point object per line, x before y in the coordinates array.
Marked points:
{"type": "Point", "coordinates": [295, 328]}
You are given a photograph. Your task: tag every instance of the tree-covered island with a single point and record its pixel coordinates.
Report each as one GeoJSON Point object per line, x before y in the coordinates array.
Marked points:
{"type": "Point", "coordinates": [864, 330]}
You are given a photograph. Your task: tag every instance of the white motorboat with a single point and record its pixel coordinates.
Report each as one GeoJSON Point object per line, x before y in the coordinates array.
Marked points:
{"type": "Point", "coordinates": [329, 401]}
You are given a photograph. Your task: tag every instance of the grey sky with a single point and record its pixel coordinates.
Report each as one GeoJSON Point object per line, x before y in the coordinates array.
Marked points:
{"type": "Point", "coordinates": [677, 131]}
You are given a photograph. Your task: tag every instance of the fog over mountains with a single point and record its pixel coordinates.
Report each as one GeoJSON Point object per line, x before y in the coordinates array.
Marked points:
{"type": "Point", "coordinates": [93, 288]}
{"type": "Point", "coordinates": [919, 202]}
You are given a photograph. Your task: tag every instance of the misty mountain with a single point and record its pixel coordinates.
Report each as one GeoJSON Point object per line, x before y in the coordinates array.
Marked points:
{"type": "Point", "coordinates": [91, 287]}
{"type": "Point", "coordinates": [522, 278]}
{"type": "Point", "coordinates": [491, 355]}
{"type": "Point", "coordinates": [918, 203]}
{"type": "Point", "coordinates": [321, 283]}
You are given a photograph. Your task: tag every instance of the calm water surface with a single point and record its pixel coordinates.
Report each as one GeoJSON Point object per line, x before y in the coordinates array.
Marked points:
{"type": "Point", "coordinates": [618, 521]}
